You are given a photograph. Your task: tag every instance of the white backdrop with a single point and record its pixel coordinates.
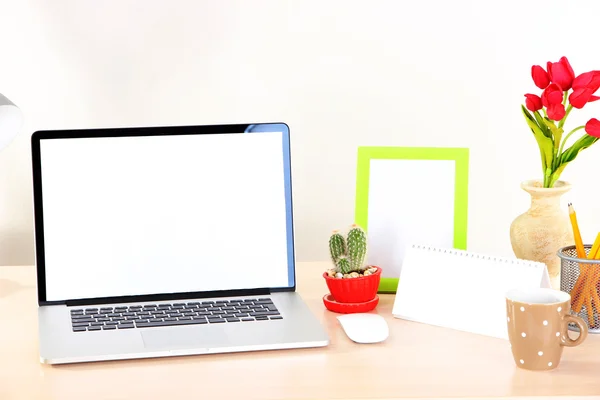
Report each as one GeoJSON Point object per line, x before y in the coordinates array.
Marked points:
{"type": "Point", "coordinates": [340, 73]}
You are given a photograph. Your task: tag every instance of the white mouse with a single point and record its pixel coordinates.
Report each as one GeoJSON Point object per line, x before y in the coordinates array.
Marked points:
{"type": "Point", "coordinates": [364, 327]}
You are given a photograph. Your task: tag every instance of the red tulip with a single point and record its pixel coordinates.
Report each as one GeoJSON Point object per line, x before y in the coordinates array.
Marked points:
{"type": "Point", "coordinates": [540, 77]}
{"type": "Point", "coordinates": [533, 102]}
{"type": "Point", "coordinates": [580, 97]}
{"type": "Point", "coordinates": [552, 95]}
{"type": "Point", "coordinates": [561, 73]}
{"type": "Point", "coordinates": [592, 127]}
{"type": "Point", "coordinates": [589, 80]}
{"type": "Point", "coordinates": [556, 112]}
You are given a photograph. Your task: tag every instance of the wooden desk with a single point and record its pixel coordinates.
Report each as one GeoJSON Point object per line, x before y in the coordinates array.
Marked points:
{"type": "Point", "coordinates": [416, 361]}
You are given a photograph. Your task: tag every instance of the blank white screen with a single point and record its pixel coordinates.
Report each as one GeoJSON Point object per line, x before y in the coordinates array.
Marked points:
{"type": "Point", "coordinates": [163, 214]}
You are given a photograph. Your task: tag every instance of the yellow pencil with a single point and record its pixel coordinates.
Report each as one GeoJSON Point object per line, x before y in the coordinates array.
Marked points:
{"type": "Point", "coordinates": [577, 293]}
{"type": "Point", "coordinates": [576, 233]}
{"type": "Point", "coordinates": [595, 247]}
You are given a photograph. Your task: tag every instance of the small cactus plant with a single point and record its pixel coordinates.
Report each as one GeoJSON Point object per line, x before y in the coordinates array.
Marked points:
{"type": "Point", "coordinates": [348, 253]}
{"type": "Point", "coordinates": [357, 247]}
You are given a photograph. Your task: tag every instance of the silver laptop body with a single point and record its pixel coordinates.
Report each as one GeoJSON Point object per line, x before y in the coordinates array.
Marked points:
{"type": "Point", "coordinates": [166, 241]}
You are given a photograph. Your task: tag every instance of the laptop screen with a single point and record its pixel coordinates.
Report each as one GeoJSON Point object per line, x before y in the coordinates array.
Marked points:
{"type": "Point", "coordinates": [140, 215]}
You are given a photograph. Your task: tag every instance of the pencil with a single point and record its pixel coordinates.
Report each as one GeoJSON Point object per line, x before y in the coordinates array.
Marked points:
{"type": "Point", "coordinates": [595, 247]}
{"type": "Point", "coordinates": [577, 293]}
{"type": "Point", "coordinates": [576, 233]}
{"type": "Point", "coordinates": [592, 285]}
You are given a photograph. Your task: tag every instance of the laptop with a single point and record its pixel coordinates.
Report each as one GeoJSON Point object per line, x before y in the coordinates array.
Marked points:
{"type": "Point", "coordinates": [166, 241]}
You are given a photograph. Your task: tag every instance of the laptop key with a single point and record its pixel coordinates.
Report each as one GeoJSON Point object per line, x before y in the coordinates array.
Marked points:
{"type": "Point", "coordinates": [82, 318]}
{"type": "Point", "coordinates": [261, 314]}
{"type": "Point", "coordinates": [247, 319]}
{"type": "Point", "coordinates": [265, 318]}
{"type": "Point", "coordinates": [109, 327]}
{"type": "Point", "coordinates": [189, 314]}
{"type": "Point", "coordinates": [94, 328]}
{"type": "Point", "coordinates": [125, 326]}
{"type": "Point", "coordinates": [216, 320]}
{"type": "Point", "coordinates": [277, 317]}
{"type": "Point", "coordinates": [169, 323]}
{"type": "Point", "coordinates": [232, 319]}
{"type": "Point", "coordinates": [79, 329]}
{"type": "Point", "coordinates": [80, 324]}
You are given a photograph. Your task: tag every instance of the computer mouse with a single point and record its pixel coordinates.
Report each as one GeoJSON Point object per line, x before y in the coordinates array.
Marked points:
{"type": "Point", "coordinates": [364, 327]}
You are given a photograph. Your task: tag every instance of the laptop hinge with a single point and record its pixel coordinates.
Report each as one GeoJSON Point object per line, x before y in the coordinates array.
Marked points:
{"type": "Point", "coordinates": [168, 297]}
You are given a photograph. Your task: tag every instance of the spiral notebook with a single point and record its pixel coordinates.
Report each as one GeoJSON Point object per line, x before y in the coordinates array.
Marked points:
{"type": "Point", "coordinates": [462, 290]}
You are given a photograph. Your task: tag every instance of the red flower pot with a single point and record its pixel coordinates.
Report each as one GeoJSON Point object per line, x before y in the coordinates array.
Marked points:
{"type": "Point", "coordinates": [354, 290]}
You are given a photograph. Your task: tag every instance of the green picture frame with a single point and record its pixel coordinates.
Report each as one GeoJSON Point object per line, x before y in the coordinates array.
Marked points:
{"type": "Point", "coordinates": [460, 156]}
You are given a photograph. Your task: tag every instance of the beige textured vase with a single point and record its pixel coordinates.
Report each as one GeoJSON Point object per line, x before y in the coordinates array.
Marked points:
{"type": "Point", "coordinates": [542, 230]}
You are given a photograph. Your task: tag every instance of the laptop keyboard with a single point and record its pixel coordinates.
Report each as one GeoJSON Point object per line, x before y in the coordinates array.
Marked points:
{"type": "Point", "coordinates": [192, 313]}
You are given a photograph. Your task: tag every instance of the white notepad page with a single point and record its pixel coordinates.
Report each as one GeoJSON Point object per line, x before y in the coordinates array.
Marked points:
{"type": "Point", "coordinates": [462, 290]}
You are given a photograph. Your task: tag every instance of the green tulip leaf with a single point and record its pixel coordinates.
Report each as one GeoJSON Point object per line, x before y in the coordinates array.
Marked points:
{"type": "Point", "coordinates": [543, 124]}
{"type": "Point", "coordinates": [555, 131]}
{"type": "Point", "coordinates": [545, 143]}
{"type": "Point", "coordinates": [571, 153]}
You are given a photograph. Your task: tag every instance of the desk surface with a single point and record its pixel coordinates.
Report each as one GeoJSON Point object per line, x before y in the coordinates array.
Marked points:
{"type": "Point", "coordinates": [416, 361]}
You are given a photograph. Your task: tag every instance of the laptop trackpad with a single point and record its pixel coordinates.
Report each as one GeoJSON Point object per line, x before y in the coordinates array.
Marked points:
{"type": "Point", "coordinates": [180, 337]}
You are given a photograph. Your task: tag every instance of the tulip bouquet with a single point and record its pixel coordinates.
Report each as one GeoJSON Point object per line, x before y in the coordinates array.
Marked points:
{"type": "Point", "coordinates": [547, 113]}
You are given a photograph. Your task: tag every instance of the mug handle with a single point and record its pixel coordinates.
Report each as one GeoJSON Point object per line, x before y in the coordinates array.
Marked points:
{"type": "Point", "coordinates": [583, 331]}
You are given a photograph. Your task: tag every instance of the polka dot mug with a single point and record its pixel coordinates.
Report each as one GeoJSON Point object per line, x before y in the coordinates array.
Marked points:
{"type": "Point", "coordinates": [538, 321]}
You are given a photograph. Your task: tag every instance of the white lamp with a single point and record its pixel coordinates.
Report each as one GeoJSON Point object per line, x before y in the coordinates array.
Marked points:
{"type": "Point", "coordinates": [11, 119]}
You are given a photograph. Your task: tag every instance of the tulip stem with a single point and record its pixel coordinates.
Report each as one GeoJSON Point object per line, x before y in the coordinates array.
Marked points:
{"type": "Point", "coordinates": [562, 121]}
{"type": "Point", "coordinates": [562, 145]}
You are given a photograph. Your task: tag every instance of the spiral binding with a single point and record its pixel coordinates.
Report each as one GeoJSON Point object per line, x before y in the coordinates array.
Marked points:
{"type": "Point", "coordinates": [464, 253]}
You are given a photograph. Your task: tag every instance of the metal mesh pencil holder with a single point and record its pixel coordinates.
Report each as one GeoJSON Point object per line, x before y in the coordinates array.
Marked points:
{"type": "Point", "coordinates": [581, 279]}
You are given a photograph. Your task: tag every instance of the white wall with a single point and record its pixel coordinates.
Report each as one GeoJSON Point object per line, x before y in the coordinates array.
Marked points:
{"type": "Point", "coordinates": [340, 73]}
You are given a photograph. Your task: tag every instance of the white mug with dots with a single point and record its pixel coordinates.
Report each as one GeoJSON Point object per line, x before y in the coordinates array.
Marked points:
{"type": "Point", "coordinates": [538, 327]}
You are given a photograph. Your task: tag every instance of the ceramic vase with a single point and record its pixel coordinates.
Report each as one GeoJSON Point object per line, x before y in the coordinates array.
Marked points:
{"type": "Point", "coordinates": [544, 228]}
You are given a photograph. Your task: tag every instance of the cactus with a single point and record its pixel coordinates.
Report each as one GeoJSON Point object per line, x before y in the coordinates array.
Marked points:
{"type": "Point", "coordinates": [357, 247]}
{"type": "Point", "coordinates": [344, 265]}
{"type": "Point", "coordinates": [337, 246]}
{"type": "Point", "coordinates": [348, 254]}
